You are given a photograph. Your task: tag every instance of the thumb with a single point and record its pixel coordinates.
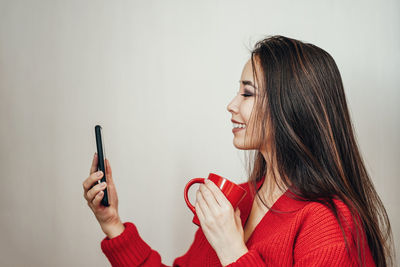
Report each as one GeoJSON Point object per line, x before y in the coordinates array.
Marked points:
{"type": "Point", "coordinates": [237, 212]}
{"type": "Point", "coordinates": [113, 198]}
{"type": "Point", "coordinates": [109, 172]}
{"type": "Point", "coordinates": [237, 217]}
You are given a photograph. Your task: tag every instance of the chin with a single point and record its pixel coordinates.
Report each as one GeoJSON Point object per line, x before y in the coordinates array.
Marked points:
{"type": "Point", "coordinates": [241, 146]}
{"type": "Point", "coordinates": [239, 143]}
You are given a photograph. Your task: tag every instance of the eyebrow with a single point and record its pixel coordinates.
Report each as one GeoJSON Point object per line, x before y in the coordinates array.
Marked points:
{"type": "Point", "coordinates": [246, 82]}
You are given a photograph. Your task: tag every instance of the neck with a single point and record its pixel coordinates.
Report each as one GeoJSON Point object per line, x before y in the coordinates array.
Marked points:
{"type": "Point", "coordinates": [273, 187]}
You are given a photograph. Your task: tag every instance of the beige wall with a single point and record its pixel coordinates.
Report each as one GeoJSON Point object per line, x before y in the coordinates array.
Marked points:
{"type": "Point", "coordinates": [158, 76]}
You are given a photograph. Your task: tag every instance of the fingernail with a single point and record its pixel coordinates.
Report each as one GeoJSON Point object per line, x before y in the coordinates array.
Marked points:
{"type": "Point", "coordinates": [103, 184]}
{"type": "Point", "coordinates": [99, 173]}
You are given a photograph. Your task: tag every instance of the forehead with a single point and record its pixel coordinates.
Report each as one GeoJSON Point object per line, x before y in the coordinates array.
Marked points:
{"type": "Point", "coordinates": [247, 73]}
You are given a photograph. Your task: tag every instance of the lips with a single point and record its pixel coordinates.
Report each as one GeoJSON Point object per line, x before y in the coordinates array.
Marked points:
{"type": "Point", "coordinates": [234, 130]}
{"type": "Point", "coordinates": [232, 120]}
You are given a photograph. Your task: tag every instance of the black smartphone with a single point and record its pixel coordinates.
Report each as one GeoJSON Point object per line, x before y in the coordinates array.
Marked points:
{"type": "Point", "coordinates": [101, 163]}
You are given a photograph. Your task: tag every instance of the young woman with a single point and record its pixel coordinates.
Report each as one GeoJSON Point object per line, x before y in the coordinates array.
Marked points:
{"type": "Point", "coordinates": [311, 201]}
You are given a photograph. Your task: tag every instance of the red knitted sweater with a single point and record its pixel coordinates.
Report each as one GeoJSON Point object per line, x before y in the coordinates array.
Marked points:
{"type": "Point", "coordinates": [305, 234]}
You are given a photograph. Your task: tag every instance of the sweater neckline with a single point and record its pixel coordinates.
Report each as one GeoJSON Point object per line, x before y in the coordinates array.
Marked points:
{"type": "Point", "coordinates": [283, 203]}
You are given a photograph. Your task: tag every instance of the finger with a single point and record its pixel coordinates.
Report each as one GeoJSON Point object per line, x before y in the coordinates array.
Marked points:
{"type": "Point", "coordinates": [93, 192]}
{"type": "Point", "coordinates": [203, 205]}
{"type": "Point", "coordinates": [209, 198]}
{"type": "Point", "coordinates": [218, 195]}
{"type": "Point", "coordinates": [97, 199]}
{"type": "Point", "coordinates": [93, 168]}
{"type": "Point", "coordinates": [91, 181]}
{"type": "Point", "coordinates": [199, 213]}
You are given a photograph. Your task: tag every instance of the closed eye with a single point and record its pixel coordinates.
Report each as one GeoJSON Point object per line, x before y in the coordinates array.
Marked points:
{"type": "Point", "coordinates": [246, 95]}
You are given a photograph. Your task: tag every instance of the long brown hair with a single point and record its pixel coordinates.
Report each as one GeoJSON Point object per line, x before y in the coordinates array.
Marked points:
{"type": "Point", "coordinates": [302, 106]}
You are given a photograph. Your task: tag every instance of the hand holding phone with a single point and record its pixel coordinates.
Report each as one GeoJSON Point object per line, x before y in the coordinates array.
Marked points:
{"type": "Point", "coordinates": [101, 166]}
{"type": "Point", "coordinates": [93, 192]}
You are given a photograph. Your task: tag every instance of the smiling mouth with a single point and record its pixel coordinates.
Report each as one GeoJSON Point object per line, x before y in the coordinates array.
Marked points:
{"type": "Point", "coordinates": [239, 125]}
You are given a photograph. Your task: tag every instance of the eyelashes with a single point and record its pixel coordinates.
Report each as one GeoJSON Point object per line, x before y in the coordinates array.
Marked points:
{"type": "Point", "coordinates": [246, 95]}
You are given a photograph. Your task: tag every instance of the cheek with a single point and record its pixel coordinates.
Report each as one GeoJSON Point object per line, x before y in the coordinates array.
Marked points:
{"type": "Point", "coordinates": [245, 110]}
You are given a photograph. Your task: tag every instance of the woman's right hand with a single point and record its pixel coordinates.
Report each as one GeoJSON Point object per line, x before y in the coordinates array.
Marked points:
{"type": "Point", "coordinates": [107, 217]}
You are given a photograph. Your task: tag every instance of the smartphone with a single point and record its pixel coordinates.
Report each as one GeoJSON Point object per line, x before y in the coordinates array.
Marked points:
{"type": "Point", "coordinates": [101, 163]}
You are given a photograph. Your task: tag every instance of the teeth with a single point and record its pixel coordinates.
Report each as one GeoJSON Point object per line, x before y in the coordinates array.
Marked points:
{"type": "Point", "coordinates": [239, 125]}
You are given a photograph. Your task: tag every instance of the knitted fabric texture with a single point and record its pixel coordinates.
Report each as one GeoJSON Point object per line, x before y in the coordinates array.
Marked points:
{"type": "Point", "coordinates": [291, 233]}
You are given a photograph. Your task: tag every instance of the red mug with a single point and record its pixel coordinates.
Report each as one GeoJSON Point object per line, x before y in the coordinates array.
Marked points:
{"type": "Point", "coordinates": [233, 192]}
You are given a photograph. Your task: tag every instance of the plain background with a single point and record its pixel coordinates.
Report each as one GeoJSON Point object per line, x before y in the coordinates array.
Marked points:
{"type": "Point", "coordinates": [158, 76]}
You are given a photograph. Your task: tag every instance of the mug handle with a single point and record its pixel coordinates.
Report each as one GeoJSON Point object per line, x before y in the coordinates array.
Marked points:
{"type": "Point", "coordinates": [188, 185]}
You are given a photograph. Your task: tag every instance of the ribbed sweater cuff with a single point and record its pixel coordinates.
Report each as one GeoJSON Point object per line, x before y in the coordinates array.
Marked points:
{"type": "Point", "coordinates": [251, 258]}
{"type": "Point", "coordinates": [127, 249]}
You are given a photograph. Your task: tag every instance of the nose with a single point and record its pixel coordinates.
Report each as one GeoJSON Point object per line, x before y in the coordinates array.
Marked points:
{"type": "Point", "coordinates": [232, 106]}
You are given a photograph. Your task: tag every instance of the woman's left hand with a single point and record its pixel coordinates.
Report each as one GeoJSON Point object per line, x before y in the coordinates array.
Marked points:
{"type": "Point", "coordinates": [221, 225]}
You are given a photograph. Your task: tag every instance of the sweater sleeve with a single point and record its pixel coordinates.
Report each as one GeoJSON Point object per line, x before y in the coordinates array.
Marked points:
{"type": "Point", "coordinates": [251, 258]}
{"type": "Point", "coordinates": [129, 249]}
